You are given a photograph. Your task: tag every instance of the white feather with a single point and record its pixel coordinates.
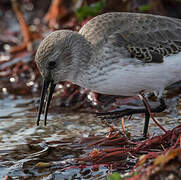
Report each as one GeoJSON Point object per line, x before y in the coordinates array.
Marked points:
{"type": "Point", "coordinates": [129, 80]}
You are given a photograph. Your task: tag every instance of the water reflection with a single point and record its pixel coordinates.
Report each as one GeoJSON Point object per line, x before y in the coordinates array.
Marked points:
{"type": "Point", "coordinates": [23, 145]}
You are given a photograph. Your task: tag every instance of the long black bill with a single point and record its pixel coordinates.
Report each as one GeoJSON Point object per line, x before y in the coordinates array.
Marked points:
{"type": "Point", "coordinates": [50, 93]}
{"type": "Point", "coordinates": [46, 84]}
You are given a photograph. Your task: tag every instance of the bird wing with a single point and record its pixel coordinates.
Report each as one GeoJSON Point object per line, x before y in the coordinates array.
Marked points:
{"type": "Point", "coordinates": [147, 38]}
{"type": "Point", "coordinates": [144, 36]}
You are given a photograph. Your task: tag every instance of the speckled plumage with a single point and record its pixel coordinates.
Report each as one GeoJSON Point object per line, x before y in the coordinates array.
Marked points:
{"type": "Point", "coordinates": [143, 35]}
{"type": "Point", "coordinates": [116, 53]}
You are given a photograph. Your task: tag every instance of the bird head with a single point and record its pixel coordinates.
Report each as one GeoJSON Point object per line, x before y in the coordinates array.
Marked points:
{"type": "Point", "coordinates": [54, 60]}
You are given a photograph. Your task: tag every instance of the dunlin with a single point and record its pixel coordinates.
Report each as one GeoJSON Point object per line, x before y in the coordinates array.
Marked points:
{"type": "Point", "coordinates": [114, 53]}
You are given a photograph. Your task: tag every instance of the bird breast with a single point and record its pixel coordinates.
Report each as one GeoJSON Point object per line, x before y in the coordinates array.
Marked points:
{"type": "Point", "coordinates": [130, 79]}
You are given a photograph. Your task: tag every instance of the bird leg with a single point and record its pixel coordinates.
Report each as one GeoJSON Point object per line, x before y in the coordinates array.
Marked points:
{"type": "Point", "coordinates": [130, 111]}
{"type": "Point", "coordinates": [146, 124]}
{"type": "Point", "coordinates": [149, 114]}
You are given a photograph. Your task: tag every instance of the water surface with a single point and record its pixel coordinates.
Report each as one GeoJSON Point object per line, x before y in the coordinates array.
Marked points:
{"type": "Point", "coordinates": [23, 145]}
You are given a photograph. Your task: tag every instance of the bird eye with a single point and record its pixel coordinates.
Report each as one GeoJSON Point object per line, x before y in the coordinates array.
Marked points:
{"type": "Point", "coordinates": [51, 64]}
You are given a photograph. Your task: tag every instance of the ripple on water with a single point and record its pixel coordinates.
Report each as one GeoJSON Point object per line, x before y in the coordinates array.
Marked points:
{"type": "Point", "coordinates": [23, 144]}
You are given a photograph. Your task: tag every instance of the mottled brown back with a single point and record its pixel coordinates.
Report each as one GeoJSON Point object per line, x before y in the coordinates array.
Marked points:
{"type": "Point", "coordinates": [146, 37]}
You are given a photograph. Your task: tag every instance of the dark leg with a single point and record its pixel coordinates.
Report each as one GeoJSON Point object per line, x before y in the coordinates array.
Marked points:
{"type": "Point", "coordinates": [147, 120]}
{"type": "Point", "coordinates": [160, 108]}
{"type": "Point", "coordinates": [129, 111]}
{"type": "Point", "coordinates": [126, 112]}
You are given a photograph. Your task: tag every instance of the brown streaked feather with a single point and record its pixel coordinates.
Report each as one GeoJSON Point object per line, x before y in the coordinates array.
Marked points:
{"type": "Point", "coordinates": [146, 55]}
{"type": "Point", "coordinates": [146, 37]}
{"type": "Point", "coordinates": [148, 49]}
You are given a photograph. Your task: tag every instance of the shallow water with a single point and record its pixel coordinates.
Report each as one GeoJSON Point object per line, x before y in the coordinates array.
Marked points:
{"type": "Point", "coordinates": [23, 144]}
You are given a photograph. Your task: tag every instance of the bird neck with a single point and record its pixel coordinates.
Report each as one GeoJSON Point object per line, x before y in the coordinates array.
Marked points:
{"type": "Point", "coordinates": [81, 55]}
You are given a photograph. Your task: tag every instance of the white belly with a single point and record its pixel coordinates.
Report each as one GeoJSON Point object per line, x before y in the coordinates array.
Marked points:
{"type": "Point", "coordinates": [131, 79]}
